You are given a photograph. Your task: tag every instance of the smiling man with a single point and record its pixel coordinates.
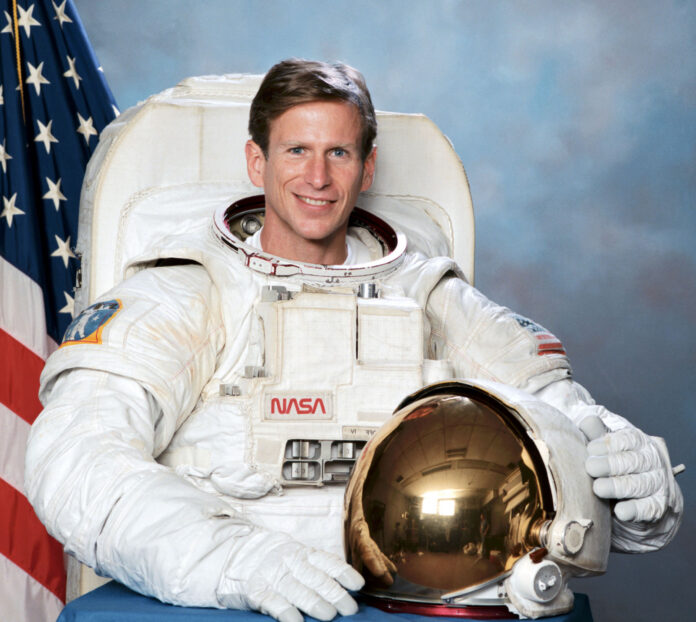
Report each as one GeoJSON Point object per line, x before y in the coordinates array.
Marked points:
{"type": "Point", "coordinates": [170, 430]}
{"type": "Point", "coordinates": [312, 158]}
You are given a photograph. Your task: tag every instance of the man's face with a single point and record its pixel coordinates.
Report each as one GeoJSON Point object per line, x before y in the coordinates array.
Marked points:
{"type": "Point", "coordinates": [311, 178]}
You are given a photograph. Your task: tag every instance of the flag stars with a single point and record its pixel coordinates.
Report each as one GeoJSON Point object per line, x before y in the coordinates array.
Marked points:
{"type": "Point", "coordinates": [63, 251]}
{"type": "Point", "coordinates": [8, 28]}
{"type": "Point", "coordinates": [60, 13]}
{"type": "Point", "coordinates": [69, 305]}
{"type": "Point", "coordinates": [54, 194]}
{"type": "Point", "coordinates": [72, 73]}
{"type": "Point", "coordinates": [10, 210]}
{"type": "Point", "coordinates": [45, 136]}
{"type": "Point", "coordinates": [36, 76]}
{"type": "Point", "coordinates": [86, 127]}
{"type": "Point", "coordinates": [4, 156]}
{"type": "Point", "coordinates": [26, 19]}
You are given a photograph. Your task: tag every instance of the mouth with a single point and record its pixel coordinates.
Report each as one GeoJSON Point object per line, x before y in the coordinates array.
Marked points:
{"type": "Point", "coordinates": [314, 202]}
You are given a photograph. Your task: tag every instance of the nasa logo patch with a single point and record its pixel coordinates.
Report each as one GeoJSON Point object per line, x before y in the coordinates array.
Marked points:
{"type": "Point", "coordinates": [89, 325]}
{"type": "Point", "coordinates": [300, 407]}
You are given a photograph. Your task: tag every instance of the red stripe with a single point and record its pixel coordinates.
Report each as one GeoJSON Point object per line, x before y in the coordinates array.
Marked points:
{"type": "Point", "coordinates": [24, 541]}
{"type": "Point", "coordinates": [551, 351]}
{"type": "Point", "coordinates": [20, 369]}
{"type": "Point", "coordinates": [551, 346]}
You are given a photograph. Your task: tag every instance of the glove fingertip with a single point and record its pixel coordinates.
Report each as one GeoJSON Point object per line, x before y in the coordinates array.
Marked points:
{"type": "Point", "coordinates": [597, 447]}
{"type": "Point", "coordinates": [291, 614]}
{"type": "Point", "coordinates": [346, 606]}
{"type": "Point", "coordinates": [597, 466]}
{"type": "Point", "coordinates": [626, 510]}
{"type": "Point", "coordinates": [604, 488]}
{"type": "Point", "coordinates": [322, 611]}
{"type": "Point", "coordinates": [351, 579]}
{"type": "Point", "coordinates": [592, 427]}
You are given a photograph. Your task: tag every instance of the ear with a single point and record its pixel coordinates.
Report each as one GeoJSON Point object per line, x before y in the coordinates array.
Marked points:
{"type": "Point", "coordinates": [256, 163]}
{"type": "Point", "coordinates": [369, 169]}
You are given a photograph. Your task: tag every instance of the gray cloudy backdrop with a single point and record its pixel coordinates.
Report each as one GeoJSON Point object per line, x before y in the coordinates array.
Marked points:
{"type": "Point", "coordinates": [577, 126]}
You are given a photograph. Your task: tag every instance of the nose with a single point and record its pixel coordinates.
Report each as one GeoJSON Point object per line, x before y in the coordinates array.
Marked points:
{"type": "Point", "coordinates": [317, 172]}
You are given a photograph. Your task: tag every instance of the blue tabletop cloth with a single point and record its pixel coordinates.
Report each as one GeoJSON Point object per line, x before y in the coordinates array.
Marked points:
{"type": "Point", "coordinates": [114, 603]}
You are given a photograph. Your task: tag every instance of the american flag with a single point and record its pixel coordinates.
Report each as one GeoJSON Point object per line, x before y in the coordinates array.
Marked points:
{"type": "Point", "coordinates": [54, 101]}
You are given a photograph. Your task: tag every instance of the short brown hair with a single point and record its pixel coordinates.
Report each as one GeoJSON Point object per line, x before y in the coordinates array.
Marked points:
{"type": "Point", "coordinates": [296, 81]}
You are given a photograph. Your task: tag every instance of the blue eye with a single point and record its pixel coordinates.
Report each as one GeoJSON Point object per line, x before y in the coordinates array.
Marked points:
{"type": "Point", "coordinates": [296, 150]}
{"type": "Point", "coordinates": [340, 152]}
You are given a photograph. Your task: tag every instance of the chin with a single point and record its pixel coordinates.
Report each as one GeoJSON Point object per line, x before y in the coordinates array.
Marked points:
{"type": "Point", "coordinates": [316, 234]}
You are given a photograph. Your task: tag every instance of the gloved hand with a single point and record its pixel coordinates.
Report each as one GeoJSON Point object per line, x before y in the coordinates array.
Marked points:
{"type": "Point", "coordinates": [278, 576]}
{"type": "Point", "coordinates": [370, 554]}
{"type": "Point", "coordinates": [630, 465]}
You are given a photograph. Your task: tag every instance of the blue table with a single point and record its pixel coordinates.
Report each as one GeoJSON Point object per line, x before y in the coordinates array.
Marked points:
{"type": "Point", "coordinates": [114, 603]}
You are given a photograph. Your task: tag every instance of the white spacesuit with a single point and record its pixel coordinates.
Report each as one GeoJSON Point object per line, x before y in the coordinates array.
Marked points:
{"type": "Point", "coordinates": [186, 399]}
{"type": "Point", "coordinates": [245, 382]}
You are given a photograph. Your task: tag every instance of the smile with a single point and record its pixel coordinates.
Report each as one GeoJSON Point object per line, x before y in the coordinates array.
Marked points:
{"type": "Point", "coordinates": [315, 202]}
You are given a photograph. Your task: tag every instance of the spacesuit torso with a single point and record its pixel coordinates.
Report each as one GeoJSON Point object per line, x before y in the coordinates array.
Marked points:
{"type": "Point", "coordinates": [306, 375]}
{"type": "Point", "coordinates": [306, 367]}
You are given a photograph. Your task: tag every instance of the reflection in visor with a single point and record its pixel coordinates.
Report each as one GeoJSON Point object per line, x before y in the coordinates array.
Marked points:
{"type": "Point", "coordinates": [449, 490]}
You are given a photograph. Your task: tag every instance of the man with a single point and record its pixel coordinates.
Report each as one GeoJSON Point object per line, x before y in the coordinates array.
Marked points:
{"type": "Point", "coordinates": [183, 363]}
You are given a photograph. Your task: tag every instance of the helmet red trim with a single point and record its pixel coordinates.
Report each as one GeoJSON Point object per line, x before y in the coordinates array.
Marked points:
{"type": "Point", "coordinates": [472, 612]}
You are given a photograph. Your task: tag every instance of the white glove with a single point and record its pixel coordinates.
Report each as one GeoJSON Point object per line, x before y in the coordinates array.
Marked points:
{"type": "Point", "coordinates": [633, 466]}
{"type": "Point", "coordinates": [279, 576]}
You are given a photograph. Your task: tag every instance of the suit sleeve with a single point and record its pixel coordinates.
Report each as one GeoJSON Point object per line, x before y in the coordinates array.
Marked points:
{"type": "Point", "coordinates": [129, 372]}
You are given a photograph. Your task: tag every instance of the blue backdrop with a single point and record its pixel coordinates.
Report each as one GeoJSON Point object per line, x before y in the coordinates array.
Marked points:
{"type": "Point", "coordinates": [576, 124]}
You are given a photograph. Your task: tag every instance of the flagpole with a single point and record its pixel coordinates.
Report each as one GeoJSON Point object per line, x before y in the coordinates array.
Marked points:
{"type": "Point", "coordinates": [18, 55]}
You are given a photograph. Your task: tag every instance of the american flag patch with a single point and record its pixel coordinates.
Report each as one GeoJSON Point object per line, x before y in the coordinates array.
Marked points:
{"type": "Point", "coordinates": [547, 343]}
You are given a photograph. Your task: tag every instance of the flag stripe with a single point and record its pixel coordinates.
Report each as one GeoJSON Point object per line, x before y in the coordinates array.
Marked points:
{"type": "Point", "coordinates": [22, 598]}
{"type": "Point", "coordinates": [22, 310]}
{"type": "Point", "coordinates": [19, 526]}
{"type": "Point", "coordinates": [20, 369]}
{"type": "Point", "coordinates": [13, 439]}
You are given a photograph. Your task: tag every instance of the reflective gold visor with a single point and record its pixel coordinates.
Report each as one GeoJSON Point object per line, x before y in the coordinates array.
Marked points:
{"type": "Point", "coordinates": [449, 494]}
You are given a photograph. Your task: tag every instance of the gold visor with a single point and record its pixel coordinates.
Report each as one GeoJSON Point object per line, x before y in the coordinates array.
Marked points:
{"type": "Point", "coordinates": [446, 497]}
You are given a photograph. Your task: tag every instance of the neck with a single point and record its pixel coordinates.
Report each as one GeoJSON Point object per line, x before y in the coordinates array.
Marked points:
{"type": "Point", "coordinates": [331, 251]}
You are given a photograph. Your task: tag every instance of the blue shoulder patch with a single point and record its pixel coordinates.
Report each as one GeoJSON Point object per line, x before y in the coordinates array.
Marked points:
{"type": "Point", "coordinates": [88, 326]}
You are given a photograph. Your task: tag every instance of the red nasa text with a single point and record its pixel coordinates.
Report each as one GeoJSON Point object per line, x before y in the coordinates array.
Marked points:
{"type": "Point", "coordinates": [303, 406]}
